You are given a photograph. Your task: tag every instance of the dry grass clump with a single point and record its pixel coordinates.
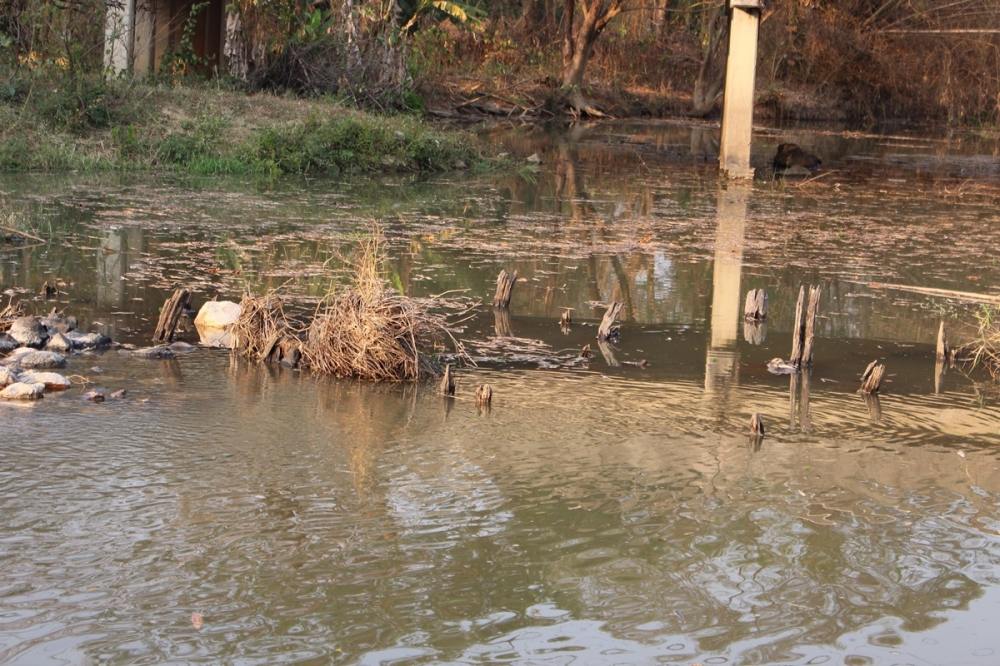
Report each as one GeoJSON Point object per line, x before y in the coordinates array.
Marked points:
{"type": "Point", "coordinates": [262, 325]}
{"type": "Point", "coordinates": [9, 313]}
{"type": "Point", "coordinates": [364, 331]}
{"type": "Point", "coordinates": [369, 331]}
{"type": "Point", "coordinates": [984, 350]}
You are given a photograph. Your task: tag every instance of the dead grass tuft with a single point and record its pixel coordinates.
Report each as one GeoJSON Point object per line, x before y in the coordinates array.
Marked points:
{"type": "Point", "coordinates": [984, 350]}
{"type": "Point", "coordinates": [363, 331]}
{"type": "Point", "coordinates": [9, 313]}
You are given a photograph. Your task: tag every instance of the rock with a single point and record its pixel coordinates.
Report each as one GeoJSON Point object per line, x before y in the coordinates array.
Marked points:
{"type": "Point", "coordinates": [160, 352]}
{"type": "Point", "coordinates": [777, 366]}
{"type": "Point", "coordinates": [214, 321]}
{"type": "Point", "coordinates": [22, 391]}
{"type": "Point", "coordinates": [218, 314]}
{"type": "Point", "coordinates": [29, 359]}
{"type": "Point", "coordinates": [87, 340]}
{"type": "Point", "coordinates": [7, 343]}
{"type": "Point", "coordinates": [29, 332]}
{"type": "Point", "coordinates": [7, 377]}
{"type": "Point", "coordinates": [533, 158]}
{"type": "Point", "coordinates": [59, 343]}
{"type": "Point", "coordinates": [94, 396]}
{"type": "Point", "coordinates": [120, 393]}
{"type": "Point", "coordinates": [56, 322]}
{"type": "Point", "coordinates": [52, 381]}
{"type": "Point", "coordinates": [181, 347]}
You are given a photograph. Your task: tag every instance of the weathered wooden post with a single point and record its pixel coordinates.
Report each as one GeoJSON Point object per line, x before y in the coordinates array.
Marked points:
{"type": "Point", "coordinates": [871, 378]}
{"type": "Point", "coordinates": [484, 396]}
{"type": "Point", "coordinates": [607, 330]}
{"type": "Point", "coordinates": [505, 289]}
{"type": "Point", "coordinates": [804, 332]}
{"type": "Point", "coordinates": [755, 305]}
{"type": "Point", "coordinates": [943, 349]}
{"type": "Point", "coordinates": [447, 382]}
{"type": "Point", "coordinates": [170, 314]}
{"type": "Point", "coordinates": [737, 105]}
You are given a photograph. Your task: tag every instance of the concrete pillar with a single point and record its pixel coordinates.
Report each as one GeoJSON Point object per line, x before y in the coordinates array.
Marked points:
{"type": "Point", "coordinates": [119, 36]}
{"type": "Point", "coordinates": [737, 106]}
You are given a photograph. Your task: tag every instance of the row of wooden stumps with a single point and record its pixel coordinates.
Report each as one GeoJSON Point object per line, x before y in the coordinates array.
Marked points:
{"type": "Point", "coordinates": [484, 394]}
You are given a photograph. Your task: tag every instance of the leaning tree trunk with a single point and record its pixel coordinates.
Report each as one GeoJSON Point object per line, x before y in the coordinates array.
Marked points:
{"type": "Point", "coordinates": [712, 73]}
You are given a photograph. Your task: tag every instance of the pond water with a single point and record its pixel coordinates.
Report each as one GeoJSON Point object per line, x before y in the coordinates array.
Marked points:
{"type": "Point", "coordinates": [601, 512]}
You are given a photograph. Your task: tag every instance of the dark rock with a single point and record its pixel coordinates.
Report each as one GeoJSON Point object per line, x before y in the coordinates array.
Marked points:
{"type": "Point", "coordinates": [87, 340]}
{"type": "Point", "coordinates": [56, 322]}
{"type": "Point", "coordinates": [790, 156]}
{"type": "Point", "coordinates": [7, 344]}
{"type": "Point", "coordinates": [158, 352]}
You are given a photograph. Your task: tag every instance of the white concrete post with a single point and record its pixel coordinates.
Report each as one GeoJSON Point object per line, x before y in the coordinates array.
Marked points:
{"type": "Point", "coordinates": [737, 105]}
{"type": "Point", "coordinates": [119, 36]}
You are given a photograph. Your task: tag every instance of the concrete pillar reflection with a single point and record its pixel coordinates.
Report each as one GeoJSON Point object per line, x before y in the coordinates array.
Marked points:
{"type": "Point", "coordinates": [722, 359]}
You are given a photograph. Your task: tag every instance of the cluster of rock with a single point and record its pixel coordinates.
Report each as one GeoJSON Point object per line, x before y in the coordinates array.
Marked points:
{"type": "Point", "coordinates": [34, 346]}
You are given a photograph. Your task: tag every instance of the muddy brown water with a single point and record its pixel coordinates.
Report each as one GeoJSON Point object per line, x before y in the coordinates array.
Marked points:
{"type": "Point", "coordinates": [600, 513]}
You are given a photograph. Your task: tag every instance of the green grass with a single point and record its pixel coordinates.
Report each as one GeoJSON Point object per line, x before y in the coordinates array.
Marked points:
{"type": "Point", "coordinates": [46, 126]}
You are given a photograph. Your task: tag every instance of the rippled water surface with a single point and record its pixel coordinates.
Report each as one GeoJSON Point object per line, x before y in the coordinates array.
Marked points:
{"type": "Point", "coordinates": [603, 512]}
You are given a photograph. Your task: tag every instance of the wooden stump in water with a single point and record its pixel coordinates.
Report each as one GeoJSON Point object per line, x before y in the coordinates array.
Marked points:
{"type": "Point", "coordinates": [567, 317]}
{"type": "Point", "coordinates": [484, 395]}
{"type": "Point", "coordinates": [804, 331]}
{"type": "Point", "coordinates": [607, 330]}
{"type": "Point", "coordinates": [171, 312]}
{"type": "Point", "coordinates": [505, 288]}
{"type": "Point", "coordinates": [585, 352]}
{"type": "Point", "coordinates": [871, 378]}
{"type": "Point", "coordinates": [796, 357]}
{"type": "Point", "coordinates": [943, 349]}
{"type": "Point", "coordinates": [809, 334]}
{"type": "Point", "coordinates": [755, 307]}
{"type": "Point", "coordinates": [448, 382]}
{"type": "Point", "coordinates": [756, 425]}
{"type": "Point", "coordinates": [501, 323]}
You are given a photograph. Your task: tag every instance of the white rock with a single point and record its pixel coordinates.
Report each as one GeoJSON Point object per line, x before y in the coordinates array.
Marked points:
{"type": "Point", "coordinates": [214, 321]}
{"type": "Point", "coordinates": [52, 381]}
{"type": "Point", "coordinates": [7, 377]}
{"type": "Point", "coordinates": [28, 331]}
{"type": "Point", "coordinates": [217, 314]}
{"type": "Point", "coordinates": [22, 391]}
{"type": "Point", "coordinates": [59, 343]}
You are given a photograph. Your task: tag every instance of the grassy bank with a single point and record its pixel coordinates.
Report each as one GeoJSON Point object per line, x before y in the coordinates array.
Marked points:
{"type": "Point", "coordinates": [89, 125]}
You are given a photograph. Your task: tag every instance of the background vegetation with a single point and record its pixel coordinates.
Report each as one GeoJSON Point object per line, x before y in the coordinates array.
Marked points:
{"type": "Point", "coordinates": [860, 60]}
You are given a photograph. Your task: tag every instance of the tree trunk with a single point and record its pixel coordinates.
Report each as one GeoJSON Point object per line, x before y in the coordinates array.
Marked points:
{"type": "Point", "coordinates": [660, 18]}
{"type": "Point", "coordinates": [712, 73]}
{"type": "Point", "coordinates": [235, 48]}
{"type": "Point", "coordinates": [578, 44]}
